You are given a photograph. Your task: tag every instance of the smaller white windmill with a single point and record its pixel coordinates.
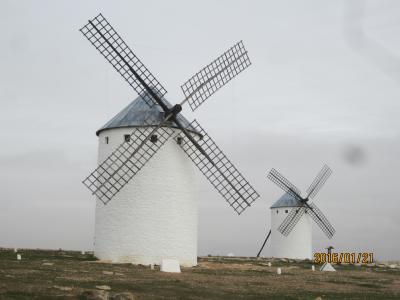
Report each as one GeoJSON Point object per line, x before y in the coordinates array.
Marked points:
{"type": "Point", "coordinates": [292, 214]}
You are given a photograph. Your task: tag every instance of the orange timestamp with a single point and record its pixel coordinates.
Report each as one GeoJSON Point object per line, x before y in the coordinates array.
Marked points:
{"type": "Point", "coordinates": [344, 257]}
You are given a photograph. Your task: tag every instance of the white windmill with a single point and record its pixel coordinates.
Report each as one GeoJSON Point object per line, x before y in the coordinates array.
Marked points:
{"type": "Point", "coordinates": [153, 216]}
{"type": "Point", "coordinates": [291, 215]}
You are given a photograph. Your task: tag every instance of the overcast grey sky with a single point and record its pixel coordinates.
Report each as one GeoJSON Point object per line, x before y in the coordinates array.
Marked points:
{"type": "Point", "coordinates": [323, 88]}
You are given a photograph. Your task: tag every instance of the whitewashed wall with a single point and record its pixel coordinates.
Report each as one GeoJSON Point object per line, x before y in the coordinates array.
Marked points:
{"type": "Point", "coordinates": [298, 244]}
{"type": "Point", "coordinates": [155, 215]}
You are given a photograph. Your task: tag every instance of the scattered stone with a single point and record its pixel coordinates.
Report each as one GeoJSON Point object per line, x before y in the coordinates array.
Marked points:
{"type": "Point", "coordinates": [47, 264]}
{"type": "Point", "coordinates": [118, 274]}
{"type": "Point", "coordinates": [170, 265]}
{"type": "Point", "coordinates": [381, 265]}
{"type": "Point", "coordinates": [279, 271]}
{"type": "Point", "coordinates": [95, 295]}
{"type": "Point", "coordinates": [318, 298]}
{"type": "Point", "coordinates": [123, 296]}
{"type": "Point", "coordinates": [108, 273]}
{"type": "Point", "coordinates": [10, 276]}
{"type": "Point", "coordinates": [284, 259]}
{"type": "Point", "coordinates": [269, 264]}
{"type": "Point", "coordinates": [63, 288]}
{"type": "Point", "coordinates": [103, 287]}
{"type": "Point", "coordinates": [327, 267]}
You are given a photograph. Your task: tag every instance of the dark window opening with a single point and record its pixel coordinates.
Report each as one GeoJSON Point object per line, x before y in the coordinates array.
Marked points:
{"type": "Point", "coordinates": [127, 138]}
{"type": "Point", "coordinates": [106, 139]}
{"type": "Point", "coordinates": [277, 211]}
{"type": "Point", "coordinates": [179, 140]}
{"type": "Point", "coordinates": [153, 138]}
{"type": "Point", "coordinates": [286, 211]}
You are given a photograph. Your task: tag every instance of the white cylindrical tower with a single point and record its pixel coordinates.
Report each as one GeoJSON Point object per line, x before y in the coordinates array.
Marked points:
{"type": "Point", "coordinates": [154, 216]}
{"type": "Point", "coordinates": [298, 244]}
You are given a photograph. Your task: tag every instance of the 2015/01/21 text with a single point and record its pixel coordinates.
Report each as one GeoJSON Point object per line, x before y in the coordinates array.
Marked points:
{"type": "Point", "coordinates": [344, 257]}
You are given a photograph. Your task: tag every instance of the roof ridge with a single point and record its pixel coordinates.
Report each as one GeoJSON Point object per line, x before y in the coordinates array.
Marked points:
{"type": "Point", "coordinates": [138, 113]}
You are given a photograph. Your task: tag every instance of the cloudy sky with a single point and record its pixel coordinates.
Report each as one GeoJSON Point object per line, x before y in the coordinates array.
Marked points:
{"type": "Point", "coordinates": [323, 88]}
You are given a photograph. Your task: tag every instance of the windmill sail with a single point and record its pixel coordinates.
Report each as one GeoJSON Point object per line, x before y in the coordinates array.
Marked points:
{"type": "Point", "coordinates": [304, 206]}
{"type": "Point", "coordinates": [108, 42]}
{"type": "Point", "coordinates": [219, 170]}
{"type": "Point", "coordinates": [126, 161]}
{"type": "Point", "coordinates": [215, 75]}
{"type": "Point", "coordinates": [319, 181]}
{"type": "Point", "coordinates": [284, 184]}
{"type": "Point", "coordinates": [319, 218]}
{"type": "Point", "coordinates": [118, 169]}
{"type": "Point", "coordinates": [291, 220]}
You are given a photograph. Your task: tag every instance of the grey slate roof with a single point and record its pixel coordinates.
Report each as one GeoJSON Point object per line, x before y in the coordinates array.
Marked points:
{"type": "Point", "coordinates": [137, 112]}
{"type": "Point", "coordinates": [286, 200]}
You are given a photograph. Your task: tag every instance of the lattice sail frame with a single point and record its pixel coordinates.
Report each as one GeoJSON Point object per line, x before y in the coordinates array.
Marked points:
{"type": "Point", "coordinates": [305, 207]}
{"type": "Point", "coordinates": [291, 220]}
{"type": "Point", "coordinates": [221, 173]}
{"type": "Point", "coordinates": [121, 57]}
{"type": "Point", "coordinates": [319, 218]}
{"type": "Point", "coordinates": [319, 181]}
{"type": "Point", "coordinates": [215, 75]}
{"type": "Point", "coordinates": [125, 161]}
{"type": "Point", "coordinates": [284, 184]}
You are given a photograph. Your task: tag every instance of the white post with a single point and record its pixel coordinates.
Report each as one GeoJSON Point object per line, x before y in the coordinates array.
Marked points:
{"type": "Point", "coordinates": [312, 268]}
{"type": "Point", "coordinates": [18, 256]}
{"type": "Point", "coordinates": [279, 271]}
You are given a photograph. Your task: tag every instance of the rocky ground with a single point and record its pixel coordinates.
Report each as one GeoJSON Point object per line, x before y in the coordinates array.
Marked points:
{"type": "Point", "coordinates": [47, 274]}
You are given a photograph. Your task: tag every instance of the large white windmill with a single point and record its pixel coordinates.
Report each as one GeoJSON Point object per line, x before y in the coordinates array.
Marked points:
{"type": "Point", "coordinates": [292, 216]}
{"type": "Point", "coordinates": [153, 215]}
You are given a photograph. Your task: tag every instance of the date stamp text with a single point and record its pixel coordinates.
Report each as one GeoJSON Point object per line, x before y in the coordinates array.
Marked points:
{"type": "Point", "coordinates": [344, 257]}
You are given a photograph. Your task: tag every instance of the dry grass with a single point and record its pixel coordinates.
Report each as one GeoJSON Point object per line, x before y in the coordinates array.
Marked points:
{"type": "Point", "coordinates": [70, 275]}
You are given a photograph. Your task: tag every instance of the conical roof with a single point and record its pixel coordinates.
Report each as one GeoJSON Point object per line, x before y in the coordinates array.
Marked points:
{"type": "Point", "coordinates": [286, 200]}
{"type": "Point", "coordinates": [138, 114]}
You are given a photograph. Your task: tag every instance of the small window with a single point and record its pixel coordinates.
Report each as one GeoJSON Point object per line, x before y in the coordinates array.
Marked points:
{"type": "Point", "coordinates": [277, 211]}
{"type": "Point", "coordinates": [106, 139]}
{"type": "Point", "coordinates": [153, 138]}
{"type": "Point", "coordinates": [286, 211]}
{"type": "Point", "coordinates": [127, 138]}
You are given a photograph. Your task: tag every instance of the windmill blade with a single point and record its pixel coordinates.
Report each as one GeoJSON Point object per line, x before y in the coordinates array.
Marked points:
{"type": "Point", "coordinates": [126, 161]}
{"type": "Point", "coordinates": [103, 36]}
{"type": "Point", "coordinates": [291, 220]}
{"type": "Point", "coordinates": [215, 75]}
{"type": "Point", "coordinates": [319, 181]}
{"type": "Point", "coordinates": [284, 184]}
{"type": "Point", "coordinates": [218, 169]}
{"type": "Point", "coordinates": [319, 218]}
